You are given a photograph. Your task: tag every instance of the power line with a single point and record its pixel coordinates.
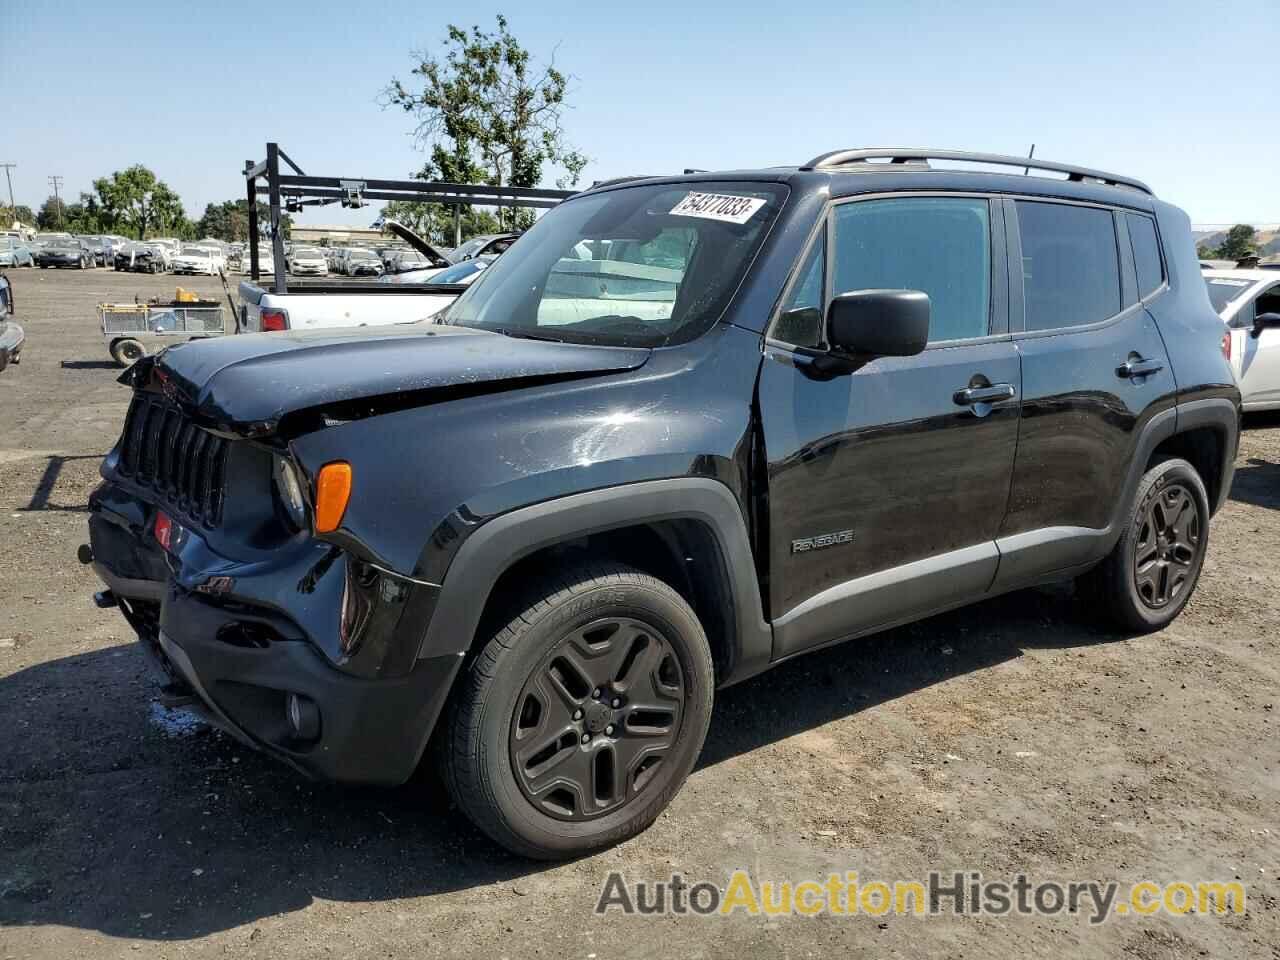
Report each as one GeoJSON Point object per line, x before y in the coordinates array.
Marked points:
{"type": "Point", "coordinates": [9, 177]}
{"type": "Point", "coordinates": [56, 181]}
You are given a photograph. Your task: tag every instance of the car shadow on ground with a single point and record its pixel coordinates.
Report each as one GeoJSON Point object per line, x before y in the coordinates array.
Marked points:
{"type": "Point", "coordinates": [1257, 483]}
{"type": "Point", "coordinates": [122, 818]}
{"type": "Point", "coordinates": [90, 365]}
{"type": "Point", "coordinates": [41, 497]}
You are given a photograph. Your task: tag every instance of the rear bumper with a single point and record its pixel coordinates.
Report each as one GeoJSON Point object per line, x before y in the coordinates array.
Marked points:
{"type": "Point", "coordinates": [246, 646]}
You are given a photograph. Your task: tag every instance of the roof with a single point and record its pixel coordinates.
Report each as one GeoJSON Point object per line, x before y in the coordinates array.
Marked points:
{"type": "Point", "coordinates": [875, 169]}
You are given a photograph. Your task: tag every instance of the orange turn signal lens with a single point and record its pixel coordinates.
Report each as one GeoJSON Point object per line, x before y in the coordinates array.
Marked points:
{"type": "Point", "coordinates": [333, 490]}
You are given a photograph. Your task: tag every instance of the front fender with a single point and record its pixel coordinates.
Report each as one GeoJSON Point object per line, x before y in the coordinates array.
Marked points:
{"type": "Point", "coordinates": [496, 545]}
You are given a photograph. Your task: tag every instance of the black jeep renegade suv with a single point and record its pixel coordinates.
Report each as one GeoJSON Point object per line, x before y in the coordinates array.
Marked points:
{"type": "Point", "coordinates": [684, 429]}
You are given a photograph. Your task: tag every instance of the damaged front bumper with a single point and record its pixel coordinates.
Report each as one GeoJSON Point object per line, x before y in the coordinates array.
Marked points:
{"type": "Point", "coordinates": [308, 654]}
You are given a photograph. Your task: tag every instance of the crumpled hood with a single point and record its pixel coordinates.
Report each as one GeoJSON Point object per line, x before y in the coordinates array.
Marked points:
{"type": "Point", "coordinates": [246, 383]}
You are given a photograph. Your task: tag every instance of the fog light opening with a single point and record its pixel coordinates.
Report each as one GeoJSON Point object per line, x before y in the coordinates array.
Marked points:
{"type": "Point", "coordinates": [303, 717]}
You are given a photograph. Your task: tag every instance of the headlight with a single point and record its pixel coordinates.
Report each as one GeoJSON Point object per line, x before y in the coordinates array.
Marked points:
{"type": "Point", "coordinates": [289, 488]}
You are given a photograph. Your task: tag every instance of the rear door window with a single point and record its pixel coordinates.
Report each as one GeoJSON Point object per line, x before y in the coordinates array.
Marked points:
{"type": "Point", "coordinates": [939, 245]}
{"type": "Point", "coordinates": [1146, 253]}
{"type": "Point", "coordinates": [1070, 267]}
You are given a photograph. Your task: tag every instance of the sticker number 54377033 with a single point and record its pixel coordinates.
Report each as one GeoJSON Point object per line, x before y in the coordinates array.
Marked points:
{"type": "Point", "coordinates": [717, 206]}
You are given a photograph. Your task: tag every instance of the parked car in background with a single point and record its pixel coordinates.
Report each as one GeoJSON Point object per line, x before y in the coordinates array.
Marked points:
{"type": "Point", "coordinates": [15, 253]}
{"type": "Point", "coordinates": [198, 258]}
{"type": "Point", "coordinates": [463, 273]}
{"type": "Point", "coordinates": [11, 335]}
{"type": "Point", "coordinates": [100, 247]}
{"type": "Point", "coordinates": [489, 243]}
{"type": "Point", "coordinates": [308, 262]}
{"type": "Point", "coordinates": [1249, 303]}
{"type": "Point", "coordinates": [404, 261]}
{"type": "Point", "coordinates": [138, 257]}
{"type": "Point", "coordinates": [362, 262]}
{"type": "Point", "coordinates": [65, 252]}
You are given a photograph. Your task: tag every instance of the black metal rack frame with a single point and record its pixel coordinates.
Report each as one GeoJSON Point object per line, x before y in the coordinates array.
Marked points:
{"type": "Point", "coordinates": [292, 191]}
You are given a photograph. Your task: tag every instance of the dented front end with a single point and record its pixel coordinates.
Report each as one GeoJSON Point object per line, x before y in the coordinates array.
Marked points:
{"type": "Point", "coordinates": [293, 644]}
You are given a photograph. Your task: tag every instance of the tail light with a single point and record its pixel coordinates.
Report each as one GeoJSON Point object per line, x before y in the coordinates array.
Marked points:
{"type": "Point", "coordinates": [1226, 345]}
{"type": "Point", "coordinates": [275, 320]}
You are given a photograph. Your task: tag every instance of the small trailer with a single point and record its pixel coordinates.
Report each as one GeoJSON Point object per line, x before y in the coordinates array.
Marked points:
{"type": "Point", "coordinates": [132, 330]}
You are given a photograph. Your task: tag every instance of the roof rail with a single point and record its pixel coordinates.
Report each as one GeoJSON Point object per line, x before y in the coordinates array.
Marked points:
{"type": "Point", "coordinates": [915, 155]}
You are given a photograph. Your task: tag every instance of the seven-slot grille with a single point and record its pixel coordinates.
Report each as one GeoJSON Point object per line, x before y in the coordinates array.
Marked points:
{"type": "Point", "coordinates": [161, 448]}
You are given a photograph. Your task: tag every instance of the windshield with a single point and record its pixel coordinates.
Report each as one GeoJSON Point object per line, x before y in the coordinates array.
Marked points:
{"type": "Point", "coordinates": [196, 251]}
{"type": "Point", "coordinates": [361, 255]}
{"type": "Point", "coordinates": [1222, 290]}
{"type": "Point", "coordinates": [470, 247]}
{"type": "Point", "coordinates": [301, 252]}
{"type": "Point", "coordinates": [639, 266]}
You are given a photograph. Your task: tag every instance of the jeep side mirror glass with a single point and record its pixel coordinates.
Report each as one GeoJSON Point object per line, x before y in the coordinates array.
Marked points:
{"type": "Point", "coordinates": [879, 323]}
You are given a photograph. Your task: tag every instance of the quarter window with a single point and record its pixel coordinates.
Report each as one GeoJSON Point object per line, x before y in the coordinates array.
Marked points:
{"type": "Point", "coordinates": [1070, 270]}
{"type": "Point", "coordinates": [1146, 253]}
{"type": "Point", "coordinates": [802, 315]}
{"type": "Point", "coordinates": [939, 245]}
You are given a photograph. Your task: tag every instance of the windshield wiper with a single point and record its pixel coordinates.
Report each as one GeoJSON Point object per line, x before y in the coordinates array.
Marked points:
{"type": "Point", "coordinates": [522, 335]}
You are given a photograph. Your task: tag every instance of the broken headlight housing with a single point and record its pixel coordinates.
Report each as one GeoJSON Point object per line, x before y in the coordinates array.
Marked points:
{"type": "Point", "coordinates": [289, 491]}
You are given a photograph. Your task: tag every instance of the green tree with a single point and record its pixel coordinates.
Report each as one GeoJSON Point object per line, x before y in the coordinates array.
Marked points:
{"type": "Point", "coordinates": [434, 221]}
{"type": "Point", "coordinates": [1240, 242]}
{"type": "Point", "coordinates": [488, 115]}
{"type": "Point", "coordinates": [229, 220]}
{"type": "Point", "coordinates": [52, 215]}
{"type": "Point", "coordinates": [134, 200]}
{"type": "Point", "coordinates": [22, 213]}
{"type": "Point", "coordinates": [84, 216]}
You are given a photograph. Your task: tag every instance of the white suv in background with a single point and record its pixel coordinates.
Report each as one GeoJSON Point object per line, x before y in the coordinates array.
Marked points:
{"type": "Point", "coordinates": [1249, 303]}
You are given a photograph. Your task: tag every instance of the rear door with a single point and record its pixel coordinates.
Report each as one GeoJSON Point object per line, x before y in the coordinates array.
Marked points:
{"type": "Point", "coordinates": [887, 485]}
{"type": "Point", "coordinates": [1094, 371]}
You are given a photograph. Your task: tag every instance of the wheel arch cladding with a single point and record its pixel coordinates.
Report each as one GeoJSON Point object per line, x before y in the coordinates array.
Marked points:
{"type": "Point", "coordinates": [650, 524]}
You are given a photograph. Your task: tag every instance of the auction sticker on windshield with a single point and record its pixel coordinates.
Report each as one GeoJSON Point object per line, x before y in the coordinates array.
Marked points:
{"type": "Point", "coordinates": [718, 206]}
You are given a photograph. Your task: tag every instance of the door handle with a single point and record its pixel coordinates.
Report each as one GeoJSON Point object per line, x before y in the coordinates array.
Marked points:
{"type": "Point", "coordinates": [992, 393]}
{"type": "Point", "coordinates": [1135, 366]}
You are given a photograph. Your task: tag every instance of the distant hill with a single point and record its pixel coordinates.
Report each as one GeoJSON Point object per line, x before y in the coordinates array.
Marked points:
{"type": "Point", "coordinates": [1267, 239]}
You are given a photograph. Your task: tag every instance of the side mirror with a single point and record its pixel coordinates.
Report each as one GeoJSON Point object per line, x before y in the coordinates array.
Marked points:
{"type": "Point", "coordinates": [879, 323]}
{"type": "Point", "coordinates": [1263, 320]}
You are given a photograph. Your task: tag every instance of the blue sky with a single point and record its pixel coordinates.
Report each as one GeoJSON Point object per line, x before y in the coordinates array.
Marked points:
{"type": "Point", "coordinates": [1181, 95]}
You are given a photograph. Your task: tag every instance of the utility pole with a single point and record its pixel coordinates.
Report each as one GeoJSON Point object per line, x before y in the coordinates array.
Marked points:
{"type": "Point", "coordinates": [12, 206]}
{"type": "Point", "coordinates": [56, 182]}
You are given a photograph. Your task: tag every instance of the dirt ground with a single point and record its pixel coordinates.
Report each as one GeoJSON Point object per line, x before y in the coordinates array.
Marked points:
{"type": "Point", "coordinates": [1009, 737]}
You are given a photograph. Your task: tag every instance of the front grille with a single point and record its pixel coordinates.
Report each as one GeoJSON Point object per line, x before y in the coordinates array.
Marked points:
{"type": "Point", "coordinates": [184, 464]}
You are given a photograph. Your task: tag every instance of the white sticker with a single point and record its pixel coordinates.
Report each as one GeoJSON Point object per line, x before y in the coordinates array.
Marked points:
{"type": "Point", "coordinates": [1219, 281]}
{"type": "Point", "coordinates": [718, 206]}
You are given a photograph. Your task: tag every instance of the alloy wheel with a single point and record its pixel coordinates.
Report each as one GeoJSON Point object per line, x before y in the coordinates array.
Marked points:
{"type": "Point", "coordinates": [1167, 547]}
{"type": "Point", "coordinates": [596, 721]}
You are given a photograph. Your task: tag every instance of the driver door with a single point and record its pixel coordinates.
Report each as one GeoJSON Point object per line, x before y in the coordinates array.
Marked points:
{"type": "Point", "coordinates": [887, 485]}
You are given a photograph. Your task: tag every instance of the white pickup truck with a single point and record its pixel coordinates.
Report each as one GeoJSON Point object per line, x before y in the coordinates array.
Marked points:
{"type": "Point", "coordinates": [314, 304]}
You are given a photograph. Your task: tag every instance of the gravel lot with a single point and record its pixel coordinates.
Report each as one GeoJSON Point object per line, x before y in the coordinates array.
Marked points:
{"type": "Point", "coordinates": [1007, 737]}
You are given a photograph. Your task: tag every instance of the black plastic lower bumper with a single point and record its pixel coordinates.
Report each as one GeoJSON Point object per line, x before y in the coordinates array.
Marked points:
{"type": "Point", "coordinates": [245, 650]}
{"type": "Point", "coordinates": [371, 731]}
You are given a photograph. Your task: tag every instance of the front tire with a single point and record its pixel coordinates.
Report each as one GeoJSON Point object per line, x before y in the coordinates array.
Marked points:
{"type": "Point", "coordinates": [1150, 574]}
{"type": "Point", "coordinates": [580, 719]}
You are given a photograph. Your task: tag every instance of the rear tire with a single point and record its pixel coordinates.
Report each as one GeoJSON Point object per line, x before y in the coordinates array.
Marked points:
{"type": "Point", "coordinates": [1153, 569]}
{"type": "Point", "coordinates": [602, 652]}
